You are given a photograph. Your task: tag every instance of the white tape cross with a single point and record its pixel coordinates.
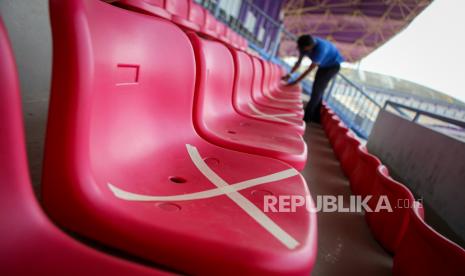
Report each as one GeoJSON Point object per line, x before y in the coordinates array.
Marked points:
{"type": "Point", "coordinates": [223, 188]}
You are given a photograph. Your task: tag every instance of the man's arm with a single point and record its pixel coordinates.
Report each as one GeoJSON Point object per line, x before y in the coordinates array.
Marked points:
{"type": "Point", "coordinates": [296, 65]}
{"type": "Point", "coordinates": [304, 74]}
{"type": "Point", "coordinates": [294, 68]}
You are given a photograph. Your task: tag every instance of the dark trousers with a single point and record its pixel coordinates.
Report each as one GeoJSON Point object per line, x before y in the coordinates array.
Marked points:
{"type": "Point", "coordinates": [322, 78]}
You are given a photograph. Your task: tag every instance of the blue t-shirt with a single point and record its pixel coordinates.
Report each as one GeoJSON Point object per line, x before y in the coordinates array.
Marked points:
{"type": "Point", "coordinates": [324, 53]}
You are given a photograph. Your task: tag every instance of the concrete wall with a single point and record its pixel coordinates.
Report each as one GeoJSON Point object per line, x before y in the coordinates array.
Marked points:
{"type": "Point", "coordinates": [431, 164]}
{"type": "Point", "coordinates": [27, 22]}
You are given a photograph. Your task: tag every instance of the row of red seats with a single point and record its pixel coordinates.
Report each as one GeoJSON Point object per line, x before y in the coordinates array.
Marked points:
{"type": "Point", "coordinates": [188, 15]}
{"type": "Point", "coordinates": [161, 143]}
{"type": "Point", "coordinates": [218, 120]}
{"type": "Point", "coordinates": [417, 248]}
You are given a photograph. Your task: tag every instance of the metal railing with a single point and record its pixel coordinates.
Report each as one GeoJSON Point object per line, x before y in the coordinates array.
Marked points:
{"type": "Point", "coordinates": [353, 105]}
{"type": "Point", "coordinates": [359, 108]}
{"type": "Point", "coordinates": [432, 105]}
{"type": "Point", "coordinates": [414, 114]}
{"type": "Point", "coordinates": [268, 45]}
{"type": "Point", "coordinates": [445, 125]}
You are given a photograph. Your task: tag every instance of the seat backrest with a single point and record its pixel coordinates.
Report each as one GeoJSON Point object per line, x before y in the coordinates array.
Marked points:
{"type": "Point", "coordinates": [240, 42]}
{"type": "Point", "coordinates": [234, 39]}
{"type": "Point", "coordinates": [220, 29]}
{"type": "Point", "coordinates": [16, 193]}
{"type": "Point", "coordinates": [377, 186]}
{"type": "Point", "coordinates": [150, 7]}
{"type": "Point", "coordinates": [258, 77]}
{"type": "Point", "coordinates": [178, 7]}
{"type": "Point", "coordinates": [227, 34]}
{"type": "Point", "coordinates": [158, 3]}
{"type": "Point", "coordinates": [423, 251]}
{"type": "Point", "coordinates": [388, 226]}
{"type": "Point", "coordinates": [364, 172]}
{"type": "Point", "coordinates": [117, 96]}
{"type": "Point", "coordinates": [271, 75]}
{"type": "Point", "coordinates": [340, 140]}
{"type": "Point", "coordinates": [244, 43]}
{"type": "Point", "coordinates": [275, 78]}
{"type": "Point", "coordinates": [215, 80]}
{"type": "Point", "coordinates": [266, 77]}
{"type": "Point", "coordinates": [210, 22]}
{"type": "Point", "coordinates": [348, 155]}
{"type": "Point", "coordinates": [333, 122]}
{"type": "Point", "coordinates": [326, 114]}
{"type": "Point", "coordinates": [197, 14]}
{"type": "Point", "coordinates": [243, 78]}
{"type": "Point", "coordinates": [335, 131]}
{"type": "Point", "coordinates": [272, 71]}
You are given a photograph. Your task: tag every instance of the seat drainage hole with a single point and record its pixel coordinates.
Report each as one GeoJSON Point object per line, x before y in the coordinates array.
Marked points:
{"type": "Point", "coordinates": [168, 206]}
{"type": "Point", "coordinates": [177, 179]}
{"type": "Point", "coordinates": [231, 132]}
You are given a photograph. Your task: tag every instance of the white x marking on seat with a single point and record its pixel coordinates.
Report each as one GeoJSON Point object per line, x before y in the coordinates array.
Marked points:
{"type": "Point", "coordinates": [223, 188]}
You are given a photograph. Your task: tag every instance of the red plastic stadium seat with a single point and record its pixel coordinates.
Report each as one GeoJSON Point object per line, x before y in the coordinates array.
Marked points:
{"type": "Point", "coordinates": [341, 141]}
{"type": "Point", "coordinates": [269, 89]}
{"type": "Point", "coordinates": [221, 32]}
{"type": "Point", "coordinates": [335, 132]}
{"type": "Point", "coordinates": [125, 167]}
{"type": "Point", "coordinates": [280, 85]}
{"type": "Point", "coordinates": [363, 175]}
{"type": "Point", "coordinates": [218, 122]}
{"type": "Point", "coordinates": [348, 157]}
{"type": "Point", "coordinates": [209, 27]}
{"type": "Point", "coordinates": [179, 10]}
{"type": "Point", "coordinates": [260, 99]}
{"type": "Point", "coordinates": [150, 7]}
{"type": "Point", "coordinates": [242, 96]}
{"type": "Point", "coordinates": [389, 227]}
{"type": "Point", "coordinates": [256, 90]}
{"type": "Point", "coordinates": [326, 114]}
{"type": "Point", "coordinates": [235, 40]}
{"type": "Point", "coordinates": [332, 123]}
{"type": "Point", "coordinates": [30, 243]}
{"type": "Point", "coordinates": [197, 15]}
{"type": "Point", "coordinates": [244, 44]}
{"type": "Point", "coordinates": [229, 37]}
{"type": "Point", "coordinates": [274, 83]}
{"type": "Point", "coordinates": [279, 89]}
{"type": "Point", "coordinates": [423, 251]}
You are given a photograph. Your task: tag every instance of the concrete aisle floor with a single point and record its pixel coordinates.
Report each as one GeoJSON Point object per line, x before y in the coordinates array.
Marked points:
{"type": "Point", "coordinates": [345, 244]}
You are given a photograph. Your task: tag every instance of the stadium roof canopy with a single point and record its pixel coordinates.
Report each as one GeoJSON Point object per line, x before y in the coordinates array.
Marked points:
{"type": "Point", "coordinates": [357, 27]}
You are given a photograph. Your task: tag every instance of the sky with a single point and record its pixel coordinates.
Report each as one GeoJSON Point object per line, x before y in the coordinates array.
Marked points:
{"type": "Point", "coordinates": [430, 51]}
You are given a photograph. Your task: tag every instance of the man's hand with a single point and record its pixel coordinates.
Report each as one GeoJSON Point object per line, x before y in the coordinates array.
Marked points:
{"type": "Point", "coordinates": [303, 75]}
{"type": "Point", "coordinates": [286, 77]}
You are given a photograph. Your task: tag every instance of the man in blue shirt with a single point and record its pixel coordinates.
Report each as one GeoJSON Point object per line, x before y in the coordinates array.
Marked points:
{"type": "Point", "coordinates": [327, 58]}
